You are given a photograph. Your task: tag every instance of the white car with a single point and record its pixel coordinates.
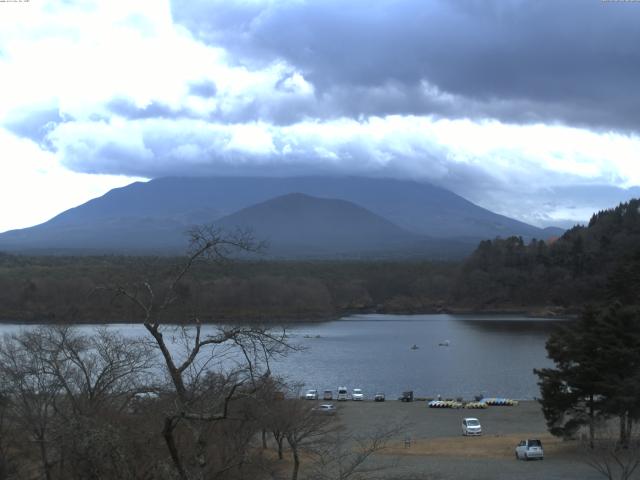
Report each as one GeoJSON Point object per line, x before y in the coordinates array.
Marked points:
{"type": "Point", "coordinates": [311, 394]}
{"type": "Point", "coordinates": [529, 450]}
{"type": "Point", "coordinates": [325, 409]}
{"type": "Point", "coordinates": [343, 393]}
{"type": "Point", "coordinates": [471, 426]}
{"type": "Point", "coordinates": [357, 394]}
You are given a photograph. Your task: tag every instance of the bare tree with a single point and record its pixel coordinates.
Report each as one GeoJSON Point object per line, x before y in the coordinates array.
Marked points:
{"type": "Point", "coordinates": [33, 393]}
{"type": "Point", "coordinates": [611, 458]}
{"type": "Point", "coordinates": [66, 390]}
{"type": "Point", "coordinates": [4, 455]}
{"type": "Point", "coordinates": [343, 455]}
{"type": "Point", "coordinates": [303, 426]}
{"type": "Point", "coordinates": [239, 355]}
{"type": "Point", "coordinates": [94, 371]}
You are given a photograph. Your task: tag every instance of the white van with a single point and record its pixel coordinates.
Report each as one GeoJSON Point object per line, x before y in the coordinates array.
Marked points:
{"type": "Point", "coordinates": [343, 393]}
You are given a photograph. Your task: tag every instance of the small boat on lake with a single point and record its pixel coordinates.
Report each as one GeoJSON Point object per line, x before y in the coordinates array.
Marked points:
{"type": "Point", "coordinates": [446, 343]}
{"type": "Point", "coordinates": [414, 347]}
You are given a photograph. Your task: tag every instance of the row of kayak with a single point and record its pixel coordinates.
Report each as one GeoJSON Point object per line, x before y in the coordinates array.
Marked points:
{"type": "Point", "coordinates": [484, 403]}
{"type": "Point", "coordinates": [500, 402]}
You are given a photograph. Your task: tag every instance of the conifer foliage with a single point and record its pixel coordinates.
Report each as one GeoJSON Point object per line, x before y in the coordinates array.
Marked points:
{"type": "Point", "coordinates": [596, 374]}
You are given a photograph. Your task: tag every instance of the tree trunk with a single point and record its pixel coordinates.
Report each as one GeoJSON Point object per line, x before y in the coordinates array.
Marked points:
{"type": "Point", "coordinates": [45, 462]}
{"type": "Point", "coordinates": [591, 422]}
{"type": "Point", "coordinates": [279, 438]}
{"type": "Point", "coordinates": [296, 463]}
{"type": "Point", "coordinates": [624, 434]}
{"type": "Point", "coordinates": [167, 433]}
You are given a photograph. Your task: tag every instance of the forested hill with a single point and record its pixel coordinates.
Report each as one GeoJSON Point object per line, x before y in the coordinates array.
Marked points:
{"type": "Point", "coordinates": [587, 264]}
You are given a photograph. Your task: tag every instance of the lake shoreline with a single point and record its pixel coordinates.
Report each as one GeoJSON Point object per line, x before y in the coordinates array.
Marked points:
{"type": "Point", "coordinates": [559, 313]}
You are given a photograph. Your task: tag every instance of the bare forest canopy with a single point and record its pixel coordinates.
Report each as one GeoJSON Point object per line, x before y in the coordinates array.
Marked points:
{"type": "Point", "coordinates": [588, 264]}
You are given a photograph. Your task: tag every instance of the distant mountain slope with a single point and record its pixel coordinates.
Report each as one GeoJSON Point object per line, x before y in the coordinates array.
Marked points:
{"type": "Point", "coordinates": [154, 215]}
{"type": "Point", "coordinates": [301, 224]}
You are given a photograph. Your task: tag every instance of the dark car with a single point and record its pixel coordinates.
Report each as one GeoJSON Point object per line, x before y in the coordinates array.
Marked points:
{"type": "Point", "coordinates": [407, 396]}
{"type": "Point", "coordinates": [378, 397]}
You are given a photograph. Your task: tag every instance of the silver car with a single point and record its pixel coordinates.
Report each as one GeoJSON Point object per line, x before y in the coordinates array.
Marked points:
{"type": "Point", "coordinates": [471, 426]}
{"type": "Point", "coordinates": [325, 409]}
{"type": "Point", "coordinates": [529, 450]}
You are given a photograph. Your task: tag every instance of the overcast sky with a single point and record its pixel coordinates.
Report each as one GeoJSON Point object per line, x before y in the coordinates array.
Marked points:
{"type": "Point", "coordinates": [528, 108]}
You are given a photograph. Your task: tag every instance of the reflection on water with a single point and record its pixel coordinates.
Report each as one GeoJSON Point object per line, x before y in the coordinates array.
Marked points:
{"type": "Point", "coordinates": [487, 354]}
{"type": "Point", "coordinates": [513, 325]}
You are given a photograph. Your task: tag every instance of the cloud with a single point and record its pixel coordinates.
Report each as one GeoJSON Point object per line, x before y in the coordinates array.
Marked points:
{"type": "Point", "coordinates": [203, 89]}
{"type": "Point", "coordinates": [34, 187]}
{"type": "Point", "coordinates": [33, 124]}
{"type": "Point", "coordinates": [571, 61]}
{"type": "Point", "coordinates": [450, 152]}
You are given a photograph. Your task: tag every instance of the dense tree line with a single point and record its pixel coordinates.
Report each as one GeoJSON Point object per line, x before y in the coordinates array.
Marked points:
{"type": "Point", "coordinates": [59, 289]}
{"type": "Point", "coordinates": [578, 267]}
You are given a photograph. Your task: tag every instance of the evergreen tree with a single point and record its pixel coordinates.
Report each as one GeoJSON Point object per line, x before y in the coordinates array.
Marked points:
{"type": "Point", "coordinates": [618, 358]}
{"type": "Point", "coordinates": [596, 374]}
{"type": "Point", "coordinates": [570, 392]}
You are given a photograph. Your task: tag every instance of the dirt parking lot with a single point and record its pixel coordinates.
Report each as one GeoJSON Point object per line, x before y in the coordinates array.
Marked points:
{"type": "Point", "coordinates": [438, 450]}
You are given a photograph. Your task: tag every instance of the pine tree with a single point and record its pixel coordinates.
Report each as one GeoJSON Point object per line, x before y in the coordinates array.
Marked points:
{"type": "Point", "coordinates": [597, 372]}
{"type": "Point", "coordinates": [570, 392]}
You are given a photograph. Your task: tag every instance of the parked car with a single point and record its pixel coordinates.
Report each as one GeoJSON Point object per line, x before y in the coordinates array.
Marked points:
{"type": "Point", "coordinates": [529, 450]}
{"type": "Point", "coordinates": [325, 409]}
{"type": "Point", "coordinates": [311, 394]}
{"type": "Point", "coordinates": [379, 397]}
{"type": "Point", "coordinates": [327, 395]}
{"type": "Point", "coordinates": [357, 394]}
{"type": "Point", "coordinates": [343, 394]}
{"type": "Point", "coordinates": [407, 396]}
{"type": "Point", "coordinates": [471, 426]}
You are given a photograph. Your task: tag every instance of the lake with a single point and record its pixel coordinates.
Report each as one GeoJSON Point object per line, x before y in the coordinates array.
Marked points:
{"type": "Point", "coordinates": [493, 355]}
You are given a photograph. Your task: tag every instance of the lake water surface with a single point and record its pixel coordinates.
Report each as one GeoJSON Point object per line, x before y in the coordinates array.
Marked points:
{"type": "Point", "coordinates": [492, 355]}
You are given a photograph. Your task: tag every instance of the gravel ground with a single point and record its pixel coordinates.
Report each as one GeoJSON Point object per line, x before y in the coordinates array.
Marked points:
{"type": "Point", "coordinates": [438, 450]}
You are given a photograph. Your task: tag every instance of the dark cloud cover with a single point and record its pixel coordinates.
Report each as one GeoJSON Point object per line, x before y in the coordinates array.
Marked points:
{"type": "Point", "coordinates": [574, 61]}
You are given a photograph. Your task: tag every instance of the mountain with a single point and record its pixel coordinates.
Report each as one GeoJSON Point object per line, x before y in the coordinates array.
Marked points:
{"type": "Point", "coordinates": [153, 215]}
{"type": "Point", "coordinates": [301, 225]}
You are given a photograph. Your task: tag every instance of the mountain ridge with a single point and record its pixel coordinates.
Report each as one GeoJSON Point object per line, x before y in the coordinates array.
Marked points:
{"type": "Point", "coordinates": [155, 214]}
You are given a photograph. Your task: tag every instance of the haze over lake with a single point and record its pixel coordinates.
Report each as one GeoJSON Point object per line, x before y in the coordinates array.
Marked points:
{"type": "Point", "coordinates": [492, 355]}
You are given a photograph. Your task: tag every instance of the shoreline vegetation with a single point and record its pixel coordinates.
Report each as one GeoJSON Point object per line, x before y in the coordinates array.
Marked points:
{"type": "Point", "coordinates": [547, 313]}
{"type": "Point", "coordinates": [78, 290]}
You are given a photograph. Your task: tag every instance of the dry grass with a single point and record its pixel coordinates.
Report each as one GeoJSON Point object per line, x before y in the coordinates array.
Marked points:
{"type": "Point", "coordinates": [490, 446]}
